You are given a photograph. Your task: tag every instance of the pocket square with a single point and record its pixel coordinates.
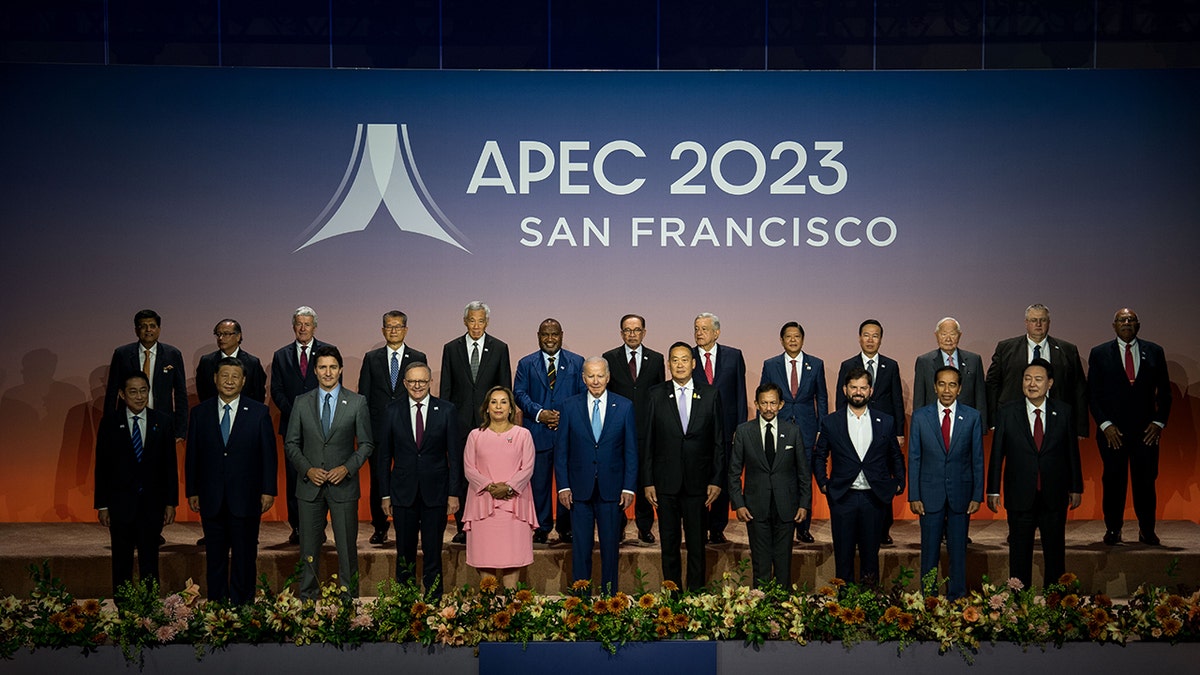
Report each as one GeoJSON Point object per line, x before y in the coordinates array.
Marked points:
{"type": "Point", "coordinates": [788, 447]}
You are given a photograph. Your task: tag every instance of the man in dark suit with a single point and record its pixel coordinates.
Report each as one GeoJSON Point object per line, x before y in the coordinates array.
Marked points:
{"type": "Point", "coordinates": [776, 492]}
{"type": "Point", "coordinates": [421, 474]}
{"type": "Point", "coordinates": [683, 467]}
{"type": "Point", "coordinates": [229, 343]}
{"type": "Point", "coordinates": [326, 423]}
{"type": "Point", "coordinates": [1036, 447]}
{"type": "Point", "coordinates": [634, 368]}
{"type": "Point", "coordinates": [801, 381]}
{"type": "Point", "coordinates": [866, 470]}
{"type": "Point", "coordinates": [230, 481]}
{"type": "Point", "coordinates": [293, 372]}
{"type": "Point", "coordinates": [380, 381]}
{"type": "Point", "coordinates": [887, 394]}
{"type": "Point", "coordinates": [725, 369]}
{"type": "Point", "coordinates": [137, 486]}
{"type": "Point", "coordinates": [945, 476]}
{"type": "Point", "coordinates": [162, 365]}
{"type": "Point", "coordinates": [973, 392]}
{"type": "Point", "coordinates": [1005, 374]}
{"type": "Point", "coordinates": [596, 471]}
{"type": "Point", "coordinates": [1130, 393]}
{"type": "Point", "coordinates": [545, 379]}
{"type": "Point", "coordinates": [471, 365]}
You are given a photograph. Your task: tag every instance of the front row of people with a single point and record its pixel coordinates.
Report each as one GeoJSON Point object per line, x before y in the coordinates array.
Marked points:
{"type": "Point", "coordinates": [857, 464]}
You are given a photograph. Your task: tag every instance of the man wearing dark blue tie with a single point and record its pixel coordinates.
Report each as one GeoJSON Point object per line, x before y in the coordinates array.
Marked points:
{"type": "Point", "coordinates": [596, 469]}
{"type": "Point", "coordinates": [945, 476]}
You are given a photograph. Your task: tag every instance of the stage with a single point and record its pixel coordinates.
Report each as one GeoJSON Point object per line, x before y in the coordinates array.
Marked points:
{"type": "Point", "coordinates": [78, 554]}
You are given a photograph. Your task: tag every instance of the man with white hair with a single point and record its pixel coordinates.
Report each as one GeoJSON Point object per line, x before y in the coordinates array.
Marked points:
{"type": "Point", "coordinates": [723, 367]}
{"type": "Point", "coordinates": [973, 391]}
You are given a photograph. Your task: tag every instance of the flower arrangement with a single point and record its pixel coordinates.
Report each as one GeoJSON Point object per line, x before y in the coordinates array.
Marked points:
{"type": "Point", "coordinates": [727, 610]}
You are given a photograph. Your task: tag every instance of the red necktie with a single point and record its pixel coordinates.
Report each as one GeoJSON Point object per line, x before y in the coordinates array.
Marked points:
{"type": "Point", "coordinates": [303, 361]}
{"type": "Point", "coordinates": [946, 428]}
{"type": "Point", "coordinates": [708, 373]}
{"type": "Point", "coordinates": [1039, 433]}
{"type": "Point", "coordinates": [420, 426]}
{"type": "Point", "coordinates": [794, 383]}
{"type": "Point", "coordinates": [633, 365]}
{"type": "Point", "coordinates": [1129, 373]}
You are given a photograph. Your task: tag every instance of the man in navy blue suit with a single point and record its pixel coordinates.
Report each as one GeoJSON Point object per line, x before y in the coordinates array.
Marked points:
{"type": "Point", "coordinates": [163, 366]}
{"type": "Point", "coordinates": [421, 475]}
{"type": "Point", "coordinates": [801, 378]}
{"type": "Point", "coordinates": [945, 476]}
{"type": "Point", "coordinates": [866, 470]}
{"type": "Point", "coordinates": [596, 469]}
{"type": "Point", "coordinates": [230, 481]}
{"type": "Point", "coordinates": [887, 395]}
{"type": "Point", "coordinates": [540, 397]}
{"type": "Point", "coordinates": [724, 368]}
{"type": "Point", "coordinates": [1130, 396]}
{"type": "Point", "coordinates": [293, 372]}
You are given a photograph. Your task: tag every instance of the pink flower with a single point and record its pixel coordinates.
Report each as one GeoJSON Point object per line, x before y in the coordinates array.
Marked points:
{"type": "Point", "coordinates": [165, 633]}
{"type": "Point", "coordinates": [448, 612]}
{"type": "Point", "coordinates": [1015, 584]}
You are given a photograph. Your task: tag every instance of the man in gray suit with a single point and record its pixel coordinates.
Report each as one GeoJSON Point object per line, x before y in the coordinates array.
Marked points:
{"type": "Point", "coordinates": [777, 491]}
{"type": "Point", "coordinates": [320, 445]}
{"type": "Point", "coordinates": [969, 364]}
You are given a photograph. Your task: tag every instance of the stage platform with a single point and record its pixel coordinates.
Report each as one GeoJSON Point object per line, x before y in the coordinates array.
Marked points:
{"type": "Point", "coordinates": [78, 553]}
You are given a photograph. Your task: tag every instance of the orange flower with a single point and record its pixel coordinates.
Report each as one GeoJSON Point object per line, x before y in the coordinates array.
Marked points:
{"type": "Point", "coordinates": [572, 621]}
{"type": "Point", "coordinates": [502, 620]}
{"type": "Point", "coordinates": [931, 603]}
{"type": "Point", "coordinates": [905, 621]}
{"type": "Point", "coordinates": [827, 591]}
{"type": "Point", "coordinates": [581, 585]}
{"type": "Point", "coordinates": [668, 585]}
{"type": "Point", "coordinates": [1172, 626]}
{"type": "Point", "coordinates": [680, 621]}
{"type": "Point", "coordinates": [859, 615]}
{"type": "Point", "coordinates": [660, 630]}
{"type": "Point", "coordinates": [91, 607]}
{"type": "Point", "coordinates": [600, 606]}
{"type": "Point", "coordinates": [1071, 600]}
{"type": "Point", "coordinates": [489, 584]}
{"type": "Point", "coordinates": [837, 583]}
{"type": "Point", "coordinates": [890, 614]}
{"type": "Point", "coordinates": [1103, 600]}
{"type": "Point", "coordinates": [524, 595]}
{"type": "Point", "coordinates": [664, 614]}
{"type": "Point", "coordinates": [646, 601]}
{"type": "Point", "coordinates": [970, 614]}
{"type": "Point", "coordinates": [1067, 579]}
{"type": "Point", "coordinates": [571, 603]}
{"type": "Point", "coordinates": [70, 624]}
{"type": "Point", "coordinates": [1174, 601]}
{"type": "Point", "coordinates": [833, 608]}
{"type": "Point", "coordinates": [1162, 612]}
{"type": "Point", "coordinates": [420, 609]}
{"type": "Point", "coordinates": [416, 627]}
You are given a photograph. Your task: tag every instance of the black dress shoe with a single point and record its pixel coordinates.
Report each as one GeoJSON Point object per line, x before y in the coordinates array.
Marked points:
{"type": "Point", "coordinates": [459, 538]}
{"type": "Point", "coordinates": [1148, 538]}
{"type": "Point", "coordinates": [887, 540]}
{"type": "Point", "coordinates": [970, 541]}
{"type": "Point", "coordinates": [565, 538]}
{"type": "Point", "coordinates": [717, 538]}
{"type": "Point", "coordinates": [1112, 538]}
{"type": "Point", "coordinates": [294, 537]}
{"type": "Point", "coordinates": [540, 537]}
{"type": "Point", "coordinates": [379, 538]}
{"type": "Point", "coordinates": [200, 541]}
{"type": "Point", "coordinates": [162, 541]}
{"type": "Point", "coordinates": [646, 537]}
{"type": "Point", "coordinates": [805, 536]}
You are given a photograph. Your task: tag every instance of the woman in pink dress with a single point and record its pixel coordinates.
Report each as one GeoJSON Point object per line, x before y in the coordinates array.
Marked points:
{"type": "Point", "coordinates": [499, 514]}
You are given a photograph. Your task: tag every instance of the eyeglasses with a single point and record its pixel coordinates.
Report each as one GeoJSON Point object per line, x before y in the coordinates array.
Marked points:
{"type": "Point", "coordinates": [394, 328]}
{"type": "Point", "coordinates": [632, 331]}
{"type": "Point", "coordinates": [225, 334]}
{"type": "Point", "coordinates": [417, 383]}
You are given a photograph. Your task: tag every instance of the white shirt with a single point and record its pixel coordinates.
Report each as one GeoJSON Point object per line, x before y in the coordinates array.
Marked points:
{"type": "Point", "coordinates": [307, 350]}
{"type": "Point", "coordinates": [1029, 408]}
{"type": "Point", "coordinates": [861, 436]}
{"type": "Point", "coordinates": [233, 408]}
{"type": "Point", "coordinates": [690, 385]}
{"type": "Point", "coordinates": [762, 431]}
{"type": "Point", "coordinates": [141, 417]}
{"type": "Point", "coordinates": [1030, 344]}
{"type": "Point", "coordinates": [787, 367]}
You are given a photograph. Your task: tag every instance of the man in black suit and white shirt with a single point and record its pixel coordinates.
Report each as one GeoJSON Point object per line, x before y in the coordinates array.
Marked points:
{"type": "Point", "coordinates": [1035, 456]}
{"type": "Point", "coordinates": [471, 365]}
{"type": "Point", "coordinates": [635, 368]}
{"type": "Point", "coordinates": [381, 381]}
{"type": "Point", "coordinates": [887, 394]}
{"type": "Point", "coordinates": [293, 372]}
{"type": "Point", "coordinates": [723, 367]}
{"type": "Point", "coordinates": [1005, 374]}
{"type": "Point", "coordinates": [229, 343]}
{"type": "Point", "coordinates": [163, 366]}
{"type": "Point", "coordinates": [1130, 396]}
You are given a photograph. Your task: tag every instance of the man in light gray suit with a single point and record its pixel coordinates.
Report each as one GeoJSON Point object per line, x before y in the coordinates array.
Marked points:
{"type": "Point", "coordinates": [320, 445]}
{"type": "Point", "coordinates": [969, 364]}
{"type": "Point", "coordinates": [777, 491]}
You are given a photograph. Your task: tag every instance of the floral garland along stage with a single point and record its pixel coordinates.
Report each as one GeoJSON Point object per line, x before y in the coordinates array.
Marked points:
{"type": "Point", "coordinates": [727, 610]}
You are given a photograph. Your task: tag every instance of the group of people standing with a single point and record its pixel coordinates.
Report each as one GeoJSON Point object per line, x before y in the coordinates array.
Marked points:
{"type": "Point", "coordinates": [575, 442]}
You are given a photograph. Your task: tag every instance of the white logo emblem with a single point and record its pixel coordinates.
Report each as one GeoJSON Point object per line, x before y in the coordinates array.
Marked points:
{"type": "Point", "coordinates": [382, 172]}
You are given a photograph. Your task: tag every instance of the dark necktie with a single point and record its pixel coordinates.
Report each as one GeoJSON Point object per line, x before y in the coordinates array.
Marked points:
{"type": "Point", "coordinates": [474, 361]}
{"type": "Point", "coordinates": [303, 361]}
{"type": "Point", "coordinates": [946, 428]}
{"type": "Point", "coordinates": [633, 365]}
{"type": "Point", "coordinates": [794, 383]}
{"type": "Point", "coordinates": [420, 426]}
{"type": "Point", "coordinates": [326, 416]}
{"type": "Point", "coordinates": [1039, 432]}
{"type": "Point", "coordinates": [226, 425]}
{"type": "Point", "coordinates": [769, 445]}
{"type": "Point", "coordinates": [395, 370]}
{"type": "Point", "coordinates": [871, 372]}
{"type": "Point", "coordinates": [136, 436]}
{"type": "Point", "coordinates": [1037, 351]}
{"type": "Point", "coordinates": [1129, 371]}
{"type": "Point", "coordinates": [551, 371]}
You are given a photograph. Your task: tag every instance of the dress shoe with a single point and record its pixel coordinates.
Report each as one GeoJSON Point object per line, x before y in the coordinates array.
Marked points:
{"type": "Point", "coordinates": [565, 538]}
{"type": "Point", "coordinates": [459, 538]}
{"type": "Point", "coordinates": [379, 538]}
{"type": "Point", "coordinates": [887, 540]}
{"type": "Point", "coordinates": [805, 536]}
{"type": "Point", "coordinates": [1148, 538]}
{"type": "Point", "coordinates": [717, 538]}
{"type": "Point", "coordinates": [200, 541]}
{"type": "Point", "coordinates": [646, 537]}
{"type": "Point", "coordinates": [970, 541]}
{"type": "Point", "coordinates": [1112, 538]}
{"type": "Point", "coordinates": [162, 541]}
{"type": "Point", "coordinates": [294, 537]}
{"type": "Point", "coordinates": [540, 537]}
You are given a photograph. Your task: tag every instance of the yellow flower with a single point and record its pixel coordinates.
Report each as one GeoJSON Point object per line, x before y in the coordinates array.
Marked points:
{"type": "Point", "coordinates": [488, 584]}
{"type": "Point", "coordinates": [581, 585]}
{"type": "Point", "coordinates": [890, 614]}
{"type": "Point", "coordinates": [905, 621]}
{"type": "Point", "coordinates": [668, 585]}
{"type": "Point", "coordinates": [1067, 579]}
{"type": "Point", "coordinates": [571, 603]}
{"type": "Point", "coordinates": [1170, 627]}
{"type": "Point", "coordinates": [524, 595]}
{"type": "Point", "coordinates": [502, 619]}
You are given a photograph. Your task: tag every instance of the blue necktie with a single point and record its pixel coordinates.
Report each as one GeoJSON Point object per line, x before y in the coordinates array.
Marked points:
{"type": "Point", "coordinates": [1037, 351]}
{"type": "Point", "coordinates": [225, 426]}
{"type": "Point", "coordinates": [596, 426]}
{"type": "Point", "coordinates": [326, 415]}
{"type": "Point", "coordinates": [137, 439]}
{"type": "Point", "coordinates": [395, 369]}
